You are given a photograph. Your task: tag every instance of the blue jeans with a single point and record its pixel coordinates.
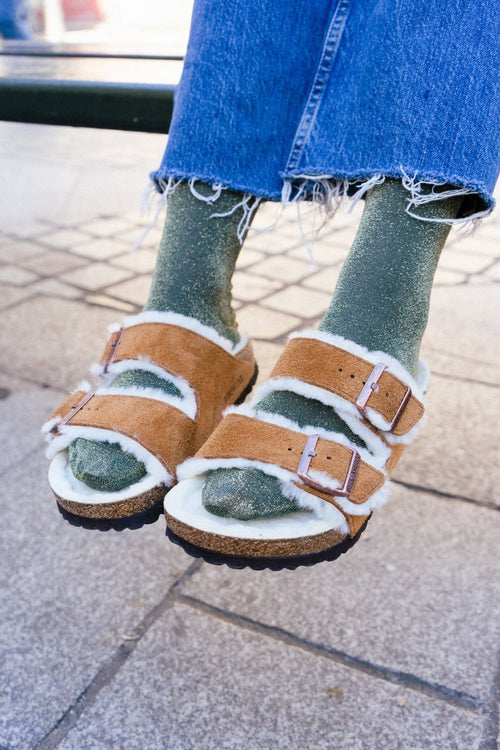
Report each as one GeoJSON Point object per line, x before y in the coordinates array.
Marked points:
{"type": "Point", "coordinates": [14, 23]}
{"type": "Point", "coordinates": [323, 98]}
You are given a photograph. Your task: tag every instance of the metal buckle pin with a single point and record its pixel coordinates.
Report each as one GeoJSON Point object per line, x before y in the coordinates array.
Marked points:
{"type": "Point", "coordinates": [114, 346]}
{"type": "Point", "coordinates": [75, 408]}
{"type": "Point", "coordinates": [370, 386]}
{"type": "Point", "coordinates": [308, 454]}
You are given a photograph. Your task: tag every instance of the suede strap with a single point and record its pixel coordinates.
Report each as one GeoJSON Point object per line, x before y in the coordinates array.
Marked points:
{"type": "Point", "coordinates": [217, 377]}
{"type": "Point", "coordinates": [163, 430]}
{"type": "Point", "coordinates": [239, 436]}
{"type": "Point", "coordinates": [340, 372]}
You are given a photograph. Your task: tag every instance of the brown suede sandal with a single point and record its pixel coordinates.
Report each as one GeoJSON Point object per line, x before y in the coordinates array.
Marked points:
{"type": "Point", "coordinates": [336, 482]}
{"type": "Point", "coordinates": [159, 429]}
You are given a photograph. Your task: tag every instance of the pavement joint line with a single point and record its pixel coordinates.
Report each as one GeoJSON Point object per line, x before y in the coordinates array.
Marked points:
{"type": "Point", "coordinates": [111, 667]}
{"type": "Point", "coordinates": [44, 386]}
{"type": "Point", "coordinates": [489, 735]}
{"type": "Point", "coordinates": [461, 379]}
{"type": "Point", "coordinates": [453, 697]}
{"type": "Point", "coordinates": [455, 355]}
{"type": "Point", "coordinates": [447, 495]}
{"type": "Point", "coordinates": [20, 301]}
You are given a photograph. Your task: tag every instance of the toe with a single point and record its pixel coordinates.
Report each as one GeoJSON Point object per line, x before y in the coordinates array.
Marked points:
{"type": "Point", "coordinates": [245, 494]}
{"type": "Point", "coordinates": [104, 467]}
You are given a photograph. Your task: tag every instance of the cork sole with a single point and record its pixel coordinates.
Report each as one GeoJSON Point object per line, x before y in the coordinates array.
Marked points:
{"type": "Point", "coordinates": [134, 521]}
{"type": "Point", "coordinates": [286, 541]}
{"type": "Point", "coordinates": [130, 513]}
{"type": "Point", "coordinates": [278, 555]}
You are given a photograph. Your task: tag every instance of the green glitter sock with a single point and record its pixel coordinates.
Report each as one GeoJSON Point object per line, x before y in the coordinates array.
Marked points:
{"type": "Point", "coordinates": [381, 301]}
{"type": "Point", "coordinates": [195, 263]}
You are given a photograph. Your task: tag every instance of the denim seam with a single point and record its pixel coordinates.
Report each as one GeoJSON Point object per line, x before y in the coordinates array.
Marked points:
{"type": "Point", "coordinates": [328, 54]}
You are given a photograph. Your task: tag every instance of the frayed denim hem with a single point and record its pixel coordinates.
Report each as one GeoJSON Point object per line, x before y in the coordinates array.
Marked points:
{"type": "Point", "coordinates": [329, 193]}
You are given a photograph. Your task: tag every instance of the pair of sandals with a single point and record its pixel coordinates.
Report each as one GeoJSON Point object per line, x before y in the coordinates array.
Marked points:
{"type": "Point", "coordinates": [179, 439]}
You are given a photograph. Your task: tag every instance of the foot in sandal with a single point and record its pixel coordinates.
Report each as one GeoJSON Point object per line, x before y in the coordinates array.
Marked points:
{"type": "Point", "coordinates": [294, 478]}
{"type": "Point", "coordinates": [167, 374]}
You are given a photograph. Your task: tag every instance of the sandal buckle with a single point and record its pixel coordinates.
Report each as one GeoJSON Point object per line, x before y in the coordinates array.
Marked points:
{"type": "Point", "coordinates": [75, 408]}
{"type": "Point", "coordinates": [308, 454]}
{"type": "Point", "coordinates": [112, 351]}
{"type": "Point", "coordinates": [371, 386]}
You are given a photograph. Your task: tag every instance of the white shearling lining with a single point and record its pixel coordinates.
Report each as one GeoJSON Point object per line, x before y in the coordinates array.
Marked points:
{"type": "Point", "coordinates": [192, 324]}
{"type": "Point", "coordinates": [68, 433]}
{"type": "Point", "coordinates": [186, 404]}
{"type": "Point", "coordinates": [153, 393]}
{"type": "Point", "coordinates": [66, 485]}
{"type": "Point", "coordinates": [184, 502]}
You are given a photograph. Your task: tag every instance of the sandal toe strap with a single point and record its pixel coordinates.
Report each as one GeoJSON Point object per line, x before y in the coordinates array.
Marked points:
{"type": "Point", "coordinates": [334, 472]}
{"type": "Point", "coordinates": [142, 419]}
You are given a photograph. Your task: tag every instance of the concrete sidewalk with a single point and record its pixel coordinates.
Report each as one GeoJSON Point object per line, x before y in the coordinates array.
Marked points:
{"type": "Point", "coordinates": [120, 640]}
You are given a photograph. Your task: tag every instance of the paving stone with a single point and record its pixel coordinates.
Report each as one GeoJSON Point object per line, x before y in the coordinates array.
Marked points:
{"type": "Point", "coordinates": [14, 251]}
{"type": "Point", "coordinates": [266, 355]}
{"type": "Point", "coordinates": [284, 269]}
{"type": "Point", "coordinates": [457, 451]}
{"type": "Point", "coordinates": [198, 682]}
{"type": "Point", "coordinates": [16, 276]}
{"type": "Point", "coordinates": [271, 244]}
{"type": "Point", "coordinates": [10, 295]}
{"type": "Point", "coordinates": [60, 340]}
{"type": "Point", "coordinates": [263, 323]}
{"type": "Point", "coordinates": [135, 290]}
{"type": "Point", "coordinates": [141, 261]}
{"type": "Point", "coordinates": [296, 300]}
{"type": "Point", "coordinates": [70, 598]}
{"type": "Point", "coordinates": [106, 227]}
{"type": "Point", "coordinates": [323, 253]}
{"type": "Point", "coordinates": [65, 238]}
{"type": "Point", "coordinates": [24, 407]}
{"type": "Point", "coordinates": [104, 300]}
{"type": "Point", "coordinates": [463, 326]}
{"type": "Point", "coordinates": [484, 240]}
{"type": "Point", "coordinates": [494, 272]}
{"type": "Point", "coordinates": [418, 593]}
{"type": "Point", "coordinates": [102, 249]}
{"type": "Point", "coordinates": [325, 280]}
{"type": "Point", "coordinates": [248, 257]}
{"type": "Point", "coordinates": [95, 276]}
{"type": "Point", "coordinates": [445, 277]}
{"type": "Point", "coordinates": [467, 262]}
{"type": "Point", "coordinates": [250, 288]}
{"type": "Point", "coordinates": [53, 262]}
{"type": "Point", "coordinates": [55, 288]}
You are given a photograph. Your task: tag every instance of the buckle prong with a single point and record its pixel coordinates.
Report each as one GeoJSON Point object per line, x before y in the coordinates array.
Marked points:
{"type": "Point", "coordinates": [112, 352]}
{"type": "Point", "coordinates": [371, 386]}
{"type": "Point", "coordinates": [309, 453]}
{"type": "Point", "coordinates": [75, 408]}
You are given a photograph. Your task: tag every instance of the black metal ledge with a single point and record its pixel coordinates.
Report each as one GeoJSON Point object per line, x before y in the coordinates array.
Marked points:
{"type": "Point", "coordinates": [87, 104]}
